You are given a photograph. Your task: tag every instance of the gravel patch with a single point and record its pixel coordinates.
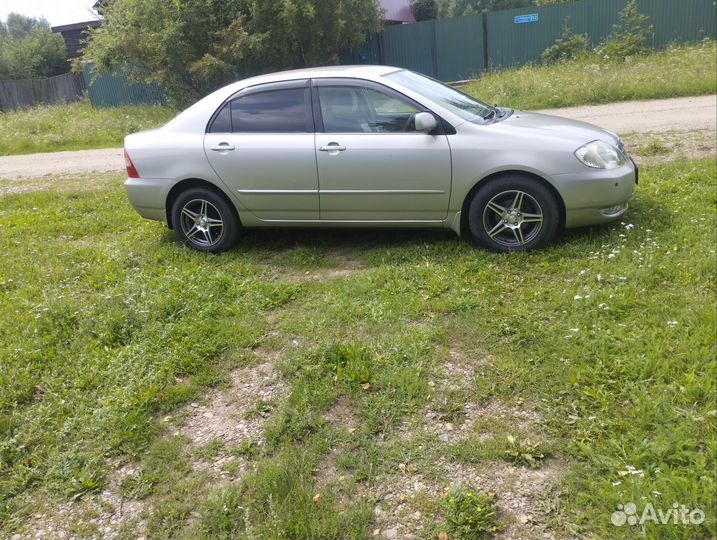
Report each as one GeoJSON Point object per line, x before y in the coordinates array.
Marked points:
{"type": "Point", "coordinates": [232, 416]}
{"type": "Point", "coordinates": [518, 490]}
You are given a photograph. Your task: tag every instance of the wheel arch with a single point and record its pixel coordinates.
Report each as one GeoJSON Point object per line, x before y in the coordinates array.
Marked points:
{"type": "Point", "coordinates": [189, 183]}
{"type": "Point", "coordinates": [487, 179]}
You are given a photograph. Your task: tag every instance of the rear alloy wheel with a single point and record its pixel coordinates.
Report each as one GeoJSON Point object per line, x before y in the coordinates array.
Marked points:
{"type": "Point", "coordinates": [204, 221]}
{"type": "Point", "coordinates": [513, 213]}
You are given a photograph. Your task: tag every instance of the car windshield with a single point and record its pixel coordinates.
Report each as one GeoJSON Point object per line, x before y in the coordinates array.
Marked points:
{"type": "Point", "coordinates": [454, 100]}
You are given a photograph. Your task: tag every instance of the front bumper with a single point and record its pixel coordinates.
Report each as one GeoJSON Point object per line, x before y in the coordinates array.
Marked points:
{"type": "Point", "coordinates": [597, 196]}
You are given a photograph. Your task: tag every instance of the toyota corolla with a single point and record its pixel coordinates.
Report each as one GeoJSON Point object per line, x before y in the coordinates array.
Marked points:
{"type": "Point", "coordinates": [373, 146]}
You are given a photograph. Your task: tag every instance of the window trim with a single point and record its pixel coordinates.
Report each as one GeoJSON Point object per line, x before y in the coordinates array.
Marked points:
{"type": "Point", "coordinates": [309, 125]}
{"type": "Point", "coordinates": [443, 128]}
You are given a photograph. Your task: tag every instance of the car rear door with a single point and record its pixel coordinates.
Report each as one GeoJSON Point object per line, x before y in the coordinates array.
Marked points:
{"type": "Point", "coordinates": [261, 144]}
{"type": "Point", "coordinates": [373, 165]}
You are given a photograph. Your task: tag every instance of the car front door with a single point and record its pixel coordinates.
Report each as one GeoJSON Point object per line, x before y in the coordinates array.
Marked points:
{"type": "Point", "coordinates": [373, 165]}
{"type": "Point", "coordinates": [261, 144]}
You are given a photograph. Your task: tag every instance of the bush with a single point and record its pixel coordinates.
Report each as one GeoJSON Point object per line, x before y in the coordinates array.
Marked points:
{"type": "Point", "coordinates": [629, 34]}
{"type": "Point", "coordinates": [568, 46]}
{"type": "Point", "coordinates": [424, 10]}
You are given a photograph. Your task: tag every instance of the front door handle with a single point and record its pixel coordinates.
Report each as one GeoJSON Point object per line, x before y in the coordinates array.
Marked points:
{"type": "Point", "coordinates": [332, 147]}
{"type": "Point", "coordinates": [222, 147]}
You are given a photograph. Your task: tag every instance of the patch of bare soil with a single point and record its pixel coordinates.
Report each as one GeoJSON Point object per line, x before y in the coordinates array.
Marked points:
{"type": "Point", "coordinates": [664, 146]}
{"type": "Point", "coordinates": [521, 420]}
{"type": "Point", "coordinates": [520, 491]}
{"type": "Point", "coordinates": [230, 415]}
{"type": "Point", "coordinates": [346, 267]}
{"type": "Point", "coordinates": [454, 413]}
{"type": "Point", "coordinates": [234, 415]}
{"type": "Point", "coordinates": [340, 416]}
{"type": "Point", "coordinates": [105, 515]}
{"type": "Point", "coordinates": [397, 511]}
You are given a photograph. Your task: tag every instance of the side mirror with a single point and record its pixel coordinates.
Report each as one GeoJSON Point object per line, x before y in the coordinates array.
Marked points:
{"type": "Point", "coordinates": [425, 122]}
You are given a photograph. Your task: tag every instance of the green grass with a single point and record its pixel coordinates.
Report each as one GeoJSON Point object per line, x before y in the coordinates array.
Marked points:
{"type": "Point", "coordinates": [608, 335]}
{"type": "Point", "coordinates": [75, 126]}
{"type": "Point", "coordinates": [685, 70]}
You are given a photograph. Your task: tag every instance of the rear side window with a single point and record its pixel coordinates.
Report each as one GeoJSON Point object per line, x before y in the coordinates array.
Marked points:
{"type": "Point", "coordinates": [275, 111]}
{"type": "Point", "coordinates": [222, 122]}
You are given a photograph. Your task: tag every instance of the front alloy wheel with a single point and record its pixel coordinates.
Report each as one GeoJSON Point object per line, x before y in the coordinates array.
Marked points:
{"type": "Point", "coordinates": [512, 218]}
{"type": "Point", "coordinates": [513, 213]}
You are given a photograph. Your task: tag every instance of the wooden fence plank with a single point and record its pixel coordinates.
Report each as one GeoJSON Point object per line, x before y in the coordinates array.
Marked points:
{"type": "Point", "coordinates": [26, 93]}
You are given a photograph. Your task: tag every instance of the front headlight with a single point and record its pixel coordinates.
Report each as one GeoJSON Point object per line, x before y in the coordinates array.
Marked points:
{"type": "Point", "coordinates": [600, 155]}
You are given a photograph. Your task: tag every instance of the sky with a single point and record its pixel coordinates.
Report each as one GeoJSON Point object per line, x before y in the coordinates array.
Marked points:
{"type": "Point", "coordinates": [57, 12]}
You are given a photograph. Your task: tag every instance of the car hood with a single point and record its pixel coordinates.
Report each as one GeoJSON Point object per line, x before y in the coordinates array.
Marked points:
{"type": "Point", "coordinates": [556, 126]}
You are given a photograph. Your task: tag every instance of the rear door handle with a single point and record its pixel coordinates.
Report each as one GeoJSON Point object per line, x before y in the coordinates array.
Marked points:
{"type": "Point", "coordinates": [222, 147]}
{"type": "Point", "coordinates": [333, 147]}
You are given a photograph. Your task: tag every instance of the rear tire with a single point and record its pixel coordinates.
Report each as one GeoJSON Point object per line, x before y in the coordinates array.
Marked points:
{"type": "Point", "coordinates": [513, 213]}
{"type": "Point", "coordinates": [205, 221]}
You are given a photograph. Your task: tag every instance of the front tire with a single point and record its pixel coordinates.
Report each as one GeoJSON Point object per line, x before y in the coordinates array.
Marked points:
{"type": "Point", "coordinates": [205, 221]}
{"type": "Point", "coordinates": [513, 213]}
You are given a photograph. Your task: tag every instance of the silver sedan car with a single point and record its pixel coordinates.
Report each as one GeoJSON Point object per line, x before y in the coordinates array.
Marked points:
{"type": "Point", "coordinates": [373, 146]}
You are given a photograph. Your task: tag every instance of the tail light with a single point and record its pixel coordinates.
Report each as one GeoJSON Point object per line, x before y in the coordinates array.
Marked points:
{"type": "Point", "coordinates": [131, 170]}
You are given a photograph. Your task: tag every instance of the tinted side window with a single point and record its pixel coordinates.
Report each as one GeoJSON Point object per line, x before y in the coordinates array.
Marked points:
{"type": "Point", "coordinates": [278, 111]}
{"type": "Point", "coordinates": [222, 122]}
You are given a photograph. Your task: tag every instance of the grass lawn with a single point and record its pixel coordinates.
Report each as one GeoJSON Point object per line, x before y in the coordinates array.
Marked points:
{"type": "Point", "coordinates": [334, 384]}
{"type": "Point", "coordinates": [678, 71]}
{"type": "Point", "coordinates": [76, 126]}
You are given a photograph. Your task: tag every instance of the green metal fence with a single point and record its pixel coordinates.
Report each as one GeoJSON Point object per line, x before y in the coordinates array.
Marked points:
{"type": "Point", "coordinates": [519, 36]}
{"type": "Point", "coordinates": [452, 49]}
{"type": "Point", "coordinates": [114, 90]}
{"type": "Point", "coordinates": [460, 48]}
{"type": "Point", "coordinates": [449, 49]}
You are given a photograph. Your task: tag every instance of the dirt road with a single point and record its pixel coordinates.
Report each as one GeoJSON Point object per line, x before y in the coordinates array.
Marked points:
{"type": "Point", "coordinates": [677, 114]}
{"type": "Point", "coordinates": [61, 163]}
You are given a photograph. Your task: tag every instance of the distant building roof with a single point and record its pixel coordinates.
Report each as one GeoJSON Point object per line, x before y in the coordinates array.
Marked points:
{"type": "Point", "coordinates": [74, 34]}
{"type": "Point", "coordinates": [397, 11]}
{"type": "Point", "coordinates": [77, 26]}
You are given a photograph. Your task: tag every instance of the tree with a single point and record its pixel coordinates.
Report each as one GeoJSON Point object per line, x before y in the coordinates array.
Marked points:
{"type": "Point", "coordinates": [192, 47]}
{"type": "Point", "coordinates": [424, 10]}
{"type": "Point", "coordinates": [629, 34]}
{"type": "Point", "coordinates": [18, 26]}
{"type": "Point", "coordinates": [458, 8]}
{"type": "Point", "coordinates": [29, 49]}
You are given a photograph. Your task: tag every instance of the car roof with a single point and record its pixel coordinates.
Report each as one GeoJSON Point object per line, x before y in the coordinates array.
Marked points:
{"type": "Point", "coordinates": [320, 72]}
